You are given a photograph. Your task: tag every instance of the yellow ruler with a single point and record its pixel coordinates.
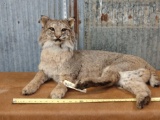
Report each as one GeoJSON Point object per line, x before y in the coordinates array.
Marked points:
{"type": "Point", "coordinates": [35, 100]}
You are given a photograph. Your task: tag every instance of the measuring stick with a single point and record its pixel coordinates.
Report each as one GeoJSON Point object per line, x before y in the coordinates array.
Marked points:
{"type": "Point", "coordinates": [33, 100]}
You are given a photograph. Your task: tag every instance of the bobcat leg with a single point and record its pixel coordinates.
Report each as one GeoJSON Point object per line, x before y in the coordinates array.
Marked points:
{"type": "Point", "coordinates": [59, 91]}
{"type": "Point", "coordinates": [150, 75]}
{"type": "Point", "coordinates": [34, 85]}
{"type": "Point", "coordinates": [154, 82]}
{"type": "Point", "coordinates": [141, 91]}
{"type": "Point", "coordinates": [108, 77]}
{"type": "Point", "coordinates": [134, 82]}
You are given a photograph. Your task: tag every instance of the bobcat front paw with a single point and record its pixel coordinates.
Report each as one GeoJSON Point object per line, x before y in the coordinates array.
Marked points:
{"type": "Point", "coordinates": [57, 94]}
{"type": "Point", "coordinates": [141, 102]}
{"type": "Point", "coordinates": [29, 90]}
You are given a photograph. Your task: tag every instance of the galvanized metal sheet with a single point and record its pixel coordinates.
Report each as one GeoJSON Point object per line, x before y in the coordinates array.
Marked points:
{"type": "Point", "coordinates": [19, 31]}
{"type": "Point", "coordinates": [128, 26]}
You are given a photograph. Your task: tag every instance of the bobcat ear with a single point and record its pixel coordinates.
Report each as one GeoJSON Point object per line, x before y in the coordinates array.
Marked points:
{"type": "Point", "coordinates": [43, 20]}
{"type": "Point", "coordinates": [71, 22]}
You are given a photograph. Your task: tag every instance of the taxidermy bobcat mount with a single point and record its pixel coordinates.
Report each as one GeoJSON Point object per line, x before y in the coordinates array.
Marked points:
{"type": "Point", "coordinates": [87, 68]}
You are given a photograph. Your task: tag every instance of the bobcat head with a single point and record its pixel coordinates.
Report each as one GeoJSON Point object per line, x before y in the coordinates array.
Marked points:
{"type": "Point", "coordinates": [57, 33]}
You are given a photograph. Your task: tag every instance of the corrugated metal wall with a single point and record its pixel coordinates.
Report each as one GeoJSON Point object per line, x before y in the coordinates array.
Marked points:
{"type": "Point", "coordinates": [19, 31]}
{"type": "Point", "coordinates": [129, 26]}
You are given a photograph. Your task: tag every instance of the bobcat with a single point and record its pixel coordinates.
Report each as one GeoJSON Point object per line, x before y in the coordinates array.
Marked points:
{"type": "Point", "coordinates": [87, 68]}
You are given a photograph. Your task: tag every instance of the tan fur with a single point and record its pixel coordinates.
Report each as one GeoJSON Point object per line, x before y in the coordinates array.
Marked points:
{"type": "Point", "coordinates": [60, 61]}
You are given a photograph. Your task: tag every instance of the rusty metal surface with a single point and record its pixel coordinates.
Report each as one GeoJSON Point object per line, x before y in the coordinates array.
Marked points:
{"type": "Point", "coordinates": [126, 13]}
{"type": "Point", "coordinates": [76, 27]}
{"type": "Point", "coordinates": [128, 26]}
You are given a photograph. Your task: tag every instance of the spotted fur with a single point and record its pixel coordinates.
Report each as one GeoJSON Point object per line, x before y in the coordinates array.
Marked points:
{"type": "Point", "coordinates": [87, 68]}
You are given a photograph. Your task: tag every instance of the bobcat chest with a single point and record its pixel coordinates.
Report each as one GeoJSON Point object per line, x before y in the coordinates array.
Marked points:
{"type": "Point", "coordinates": [52, 63]}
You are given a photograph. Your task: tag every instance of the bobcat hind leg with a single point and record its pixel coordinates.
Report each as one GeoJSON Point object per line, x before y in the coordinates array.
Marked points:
{"type": "Point", "coordinates": [140, 89]}
{"type": "Point", "coordinates": [154, 82]}
{"type": "Point", "coordinates": [134, 82]}
{"type": "Point", "coordinates": [108, 78]}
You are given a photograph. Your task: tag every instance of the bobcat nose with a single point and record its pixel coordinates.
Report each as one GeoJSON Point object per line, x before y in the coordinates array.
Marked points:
{"type": "Point", "coordinates": [58, 36]}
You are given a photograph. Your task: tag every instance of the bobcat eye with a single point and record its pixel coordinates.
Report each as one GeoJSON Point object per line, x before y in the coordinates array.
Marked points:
{"type": "Point", "coordinates": [51, 28]}
{"type": "Point", "coordinates": [64, 29]}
